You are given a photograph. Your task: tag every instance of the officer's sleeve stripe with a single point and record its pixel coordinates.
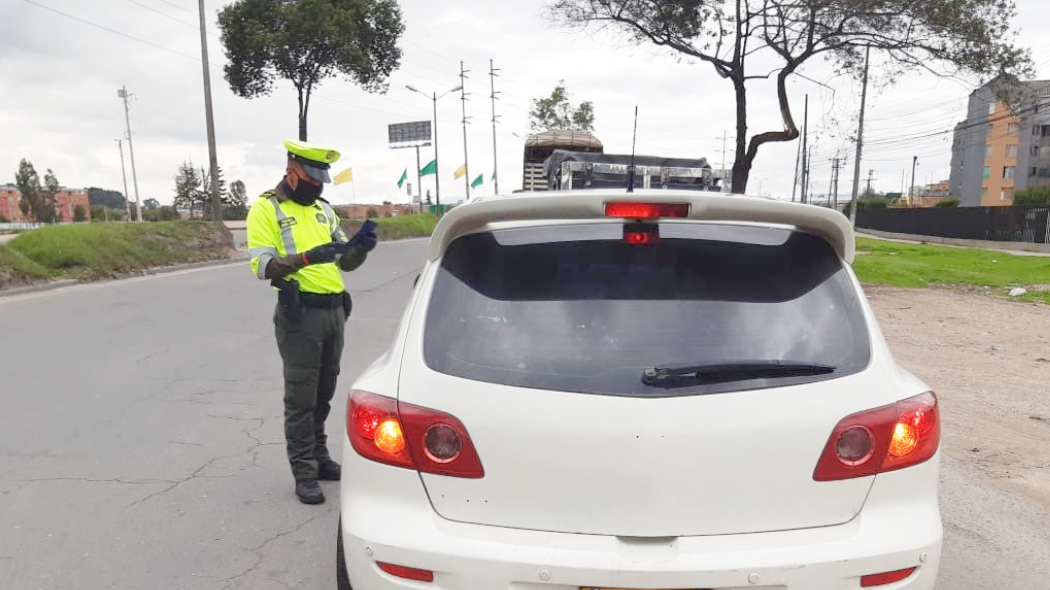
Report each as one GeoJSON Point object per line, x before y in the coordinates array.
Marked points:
{"type": "Point", "coordinates": [256, 252]}
{"type": "Point", "coordinates": [264, 260]}
{"type": "Point", "coordinates": [286, 230]}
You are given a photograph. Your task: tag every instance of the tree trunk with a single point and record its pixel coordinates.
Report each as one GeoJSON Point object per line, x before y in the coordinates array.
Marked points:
{"type": "Point", "coordinates": [741, 165]}
{"type": "Point", "coordinates": [303, 106]}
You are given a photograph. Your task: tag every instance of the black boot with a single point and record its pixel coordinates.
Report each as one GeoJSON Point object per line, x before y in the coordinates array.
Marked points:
{"type": "Point", "coordinates": [309, 491]}
{"type": "Point", "coordinates": [330, 470]}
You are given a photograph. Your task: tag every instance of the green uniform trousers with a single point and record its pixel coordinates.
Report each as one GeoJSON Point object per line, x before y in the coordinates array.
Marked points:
{"type": "Point", "coordinates": [311, 349]}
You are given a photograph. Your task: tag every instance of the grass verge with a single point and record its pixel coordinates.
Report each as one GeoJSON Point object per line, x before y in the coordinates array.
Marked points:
{"type": "Point", "coordinates": [105, 250]}
{"type": "Point", "coordinates": [417, 225]}
{"type": "Point", "coordinates": [17, 270]}
{"type": "Point", "coordinates": [920, 265]}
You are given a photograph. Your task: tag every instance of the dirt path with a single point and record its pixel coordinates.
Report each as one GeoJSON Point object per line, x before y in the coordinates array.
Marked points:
{"type": "Point", "coordinates": [988, 359]}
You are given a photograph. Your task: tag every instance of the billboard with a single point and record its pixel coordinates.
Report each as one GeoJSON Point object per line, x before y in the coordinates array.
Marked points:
{"type": "Point", "coordinates": [409, 132]}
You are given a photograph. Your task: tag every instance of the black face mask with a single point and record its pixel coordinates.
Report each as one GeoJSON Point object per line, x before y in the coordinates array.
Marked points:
{"type": "Point", "coordinates": [305, 193]}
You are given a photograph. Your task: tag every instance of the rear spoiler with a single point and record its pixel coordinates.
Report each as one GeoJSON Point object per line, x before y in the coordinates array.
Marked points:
{"type": "Point", "coordinates": [828, 224]}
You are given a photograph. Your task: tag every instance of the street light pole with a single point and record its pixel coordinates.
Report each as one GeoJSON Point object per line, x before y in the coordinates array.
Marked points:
{"type": "Point", "coordinates": [437, 172]}
{"type": "Point", "coordinates": [437, 176]}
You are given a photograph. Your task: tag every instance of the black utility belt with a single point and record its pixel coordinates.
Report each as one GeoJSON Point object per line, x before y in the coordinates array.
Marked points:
{"type": "Point", "coordinates": [321, 300]}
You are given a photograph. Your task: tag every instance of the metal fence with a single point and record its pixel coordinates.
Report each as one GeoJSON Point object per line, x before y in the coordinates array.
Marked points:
{"type": "Point", "coordinates": [1017, 223]}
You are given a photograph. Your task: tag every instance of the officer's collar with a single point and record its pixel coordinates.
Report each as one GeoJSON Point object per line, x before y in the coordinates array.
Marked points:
{"type": "Point", "coordinates": [283, 195]}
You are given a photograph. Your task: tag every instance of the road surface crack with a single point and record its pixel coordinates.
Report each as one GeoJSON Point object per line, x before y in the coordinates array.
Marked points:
{"type": "Point", "coordinates": [259, 550]}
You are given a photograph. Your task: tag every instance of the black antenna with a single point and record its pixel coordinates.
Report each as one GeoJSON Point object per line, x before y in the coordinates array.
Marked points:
{"type": "Point", "coordinates": [630, 169]}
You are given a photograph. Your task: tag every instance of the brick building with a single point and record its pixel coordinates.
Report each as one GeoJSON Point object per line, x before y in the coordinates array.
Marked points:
{"type": "Point", "coordinates": [66, 202]}
{"type": "Point", "coordinates": [384, 210]}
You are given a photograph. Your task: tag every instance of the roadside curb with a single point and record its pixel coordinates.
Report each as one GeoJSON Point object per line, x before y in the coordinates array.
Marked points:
{"type": "Point", "coordinates": [237, 258]}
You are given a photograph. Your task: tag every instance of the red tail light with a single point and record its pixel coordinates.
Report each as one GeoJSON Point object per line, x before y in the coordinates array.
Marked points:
{"type": "Point", "coordinates": [412, 437]}
{"type": "Point", "coordinates": [884, 439]}
{"type": "Point", "coordinates": [886, 578]}
{"type": "Point", "coordinates": [646, 210]}
{"type": "Point", "coordinates": [408, 573]}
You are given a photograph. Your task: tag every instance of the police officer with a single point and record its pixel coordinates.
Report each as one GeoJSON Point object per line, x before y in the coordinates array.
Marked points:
{"type": "Point", "coordinates": [297, 244]}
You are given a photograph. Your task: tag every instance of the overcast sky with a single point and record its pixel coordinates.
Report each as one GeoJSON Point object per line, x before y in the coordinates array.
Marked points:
{"type": "Point", "coordinates": [59, 107]}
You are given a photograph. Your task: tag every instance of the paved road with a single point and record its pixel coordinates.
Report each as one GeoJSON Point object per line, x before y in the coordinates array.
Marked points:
{"type": "Point", "coordinates": [141, 442]}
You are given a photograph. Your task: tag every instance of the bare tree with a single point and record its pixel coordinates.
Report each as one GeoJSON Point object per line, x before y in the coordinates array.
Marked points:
{"type": "Point", "coordinates": [946, 37]}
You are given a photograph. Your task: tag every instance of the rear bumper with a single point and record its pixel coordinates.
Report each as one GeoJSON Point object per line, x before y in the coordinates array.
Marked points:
{"type": "Point", "coordinates": [897, 529]}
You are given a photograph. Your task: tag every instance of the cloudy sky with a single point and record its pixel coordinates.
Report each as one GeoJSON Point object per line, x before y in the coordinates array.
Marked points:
{"type": "Point", "coordinates": [62, 61]}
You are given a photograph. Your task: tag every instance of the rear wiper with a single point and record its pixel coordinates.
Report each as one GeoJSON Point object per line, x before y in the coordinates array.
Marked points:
{"type": "Point", "coordinates": [743, 369]}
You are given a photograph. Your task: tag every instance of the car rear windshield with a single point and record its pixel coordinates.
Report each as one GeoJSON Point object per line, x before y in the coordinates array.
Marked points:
{"type": "Point", "coordinates": [578, 308]}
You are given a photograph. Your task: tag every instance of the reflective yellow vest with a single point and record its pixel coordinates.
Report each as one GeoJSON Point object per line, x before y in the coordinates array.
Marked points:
{"type": "Point", "coordinates": [284, 228]}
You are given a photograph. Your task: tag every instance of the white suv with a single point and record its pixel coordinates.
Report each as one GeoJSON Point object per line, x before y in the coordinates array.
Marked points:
{"type": "Point", "coordinates": [639, 390]}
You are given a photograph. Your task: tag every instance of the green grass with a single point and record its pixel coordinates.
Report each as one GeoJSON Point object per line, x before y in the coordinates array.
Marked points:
{"type": "Point", "coordinates": [417, 225]}
{"type": "Point", "coordinates": [17, 270]}
{"type": "Point", "coordinates": [920, 265]}
{"type": "Point", "coordinates": [101, 250]}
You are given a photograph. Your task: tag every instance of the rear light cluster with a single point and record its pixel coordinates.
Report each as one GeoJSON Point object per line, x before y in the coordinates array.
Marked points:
{"type": "Point", "coordinates": [412, 437]}
{"type": "Point", "coordinates": [873, 580]}
{"type": "Point", "coordinates": [884, 439]}
{"type": "Point", "coordinates": [407, 573]}
{"type": "Point", "coordinates": [646, 210]}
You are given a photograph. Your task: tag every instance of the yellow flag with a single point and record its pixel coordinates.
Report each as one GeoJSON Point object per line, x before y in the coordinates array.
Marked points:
{"type": "Point", "coordinates": [460, 171]}
{"type": "Point", "coordinates": [345, 176]}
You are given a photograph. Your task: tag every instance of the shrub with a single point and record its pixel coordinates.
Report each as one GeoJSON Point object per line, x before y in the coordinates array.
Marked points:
{"type": "Point", "coordinates": [949, 202]}
{"type": "Point", "coordinates": [1033, 195]}
{"type": "Point", "coordinates": [79, 214]}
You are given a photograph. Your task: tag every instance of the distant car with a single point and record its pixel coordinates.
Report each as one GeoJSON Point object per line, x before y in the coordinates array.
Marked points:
{"type": "Point", "coordinates": [639, 390]}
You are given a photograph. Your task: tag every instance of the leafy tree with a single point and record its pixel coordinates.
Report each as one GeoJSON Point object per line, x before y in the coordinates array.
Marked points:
{"type": "Point", "coordinates": [161, 213]}
{"type": "Point", "coordinates": [28, 183]}
{"type": "Point", "coordinates": [236, 204]}
{"type": "Point", "coordinates": [189, 191]}
{"type": "Point", "coordinates": [79, 214]}
{"type": "Point", "coordinates": [1033, 195]}
{"type": "Point", "coordinates": [150, 205]}
{"type": "Point", "coordinates": [46, 211]}
{"type": "Point", "coordinates": [738, 37]}
{"type": "Point", "coordinates": [308, 41]}
{"type": "Point", "coordinates": [557, 112]}
{"type": "Point", "coordinates": [112, 199]}
{"type": "Point", "coordinates": [205, 196]}
{"type": "Point", "coordinates": [372, 213]}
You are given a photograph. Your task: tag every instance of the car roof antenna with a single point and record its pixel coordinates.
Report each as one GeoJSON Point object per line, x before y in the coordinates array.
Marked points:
{"type": "Point", "coordinates": [630, 169]}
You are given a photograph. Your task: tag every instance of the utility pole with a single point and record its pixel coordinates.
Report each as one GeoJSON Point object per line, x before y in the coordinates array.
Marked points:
{"type": "Point", "coordinates": [860, 140]}
{"type": "Point", "coordinates": [798, 154]}
{"type": "Point", "coordinates": [463, 97]}
{"type": "Point", "coordinates": [870, 173]}
{"type": "Point", "coordinates": [495, 161]}
{"type": "Point", "coordinates": [808, 159]}
{"type": "Point", "coordinates": [123, 93]}
{"type": "Point", "coordinates": [831, 181]}
{"type": "Point", "coordinates": [124, 175]}
{"type": "Point", "coordinates": [216, 202]}
{"type": "Point", "coordinates": [911, 189]}
{"type": "Point", "coordinates": [806, 154]}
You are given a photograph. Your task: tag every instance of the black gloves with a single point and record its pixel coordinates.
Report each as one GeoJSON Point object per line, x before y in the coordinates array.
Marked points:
{"type": "Point", "coordinates": [365, 241]}
{"type": "Point", "coordinates": [325, 253]}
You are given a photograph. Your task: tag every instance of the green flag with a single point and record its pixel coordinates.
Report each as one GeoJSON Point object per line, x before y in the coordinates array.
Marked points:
{"type": "Point", "coordinates": [430, 168]}
{"type": "Point", "coordinates": [404, 177]}
{"type": "Point", "coordinates": [478, 181]}
{"type": "Point", "coordinates": [493, 177]}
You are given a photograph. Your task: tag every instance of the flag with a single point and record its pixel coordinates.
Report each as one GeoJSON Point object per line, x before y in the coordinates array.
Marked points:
{"type": "Point", "coordinates": [493, 176]}
{"type": "Point", "coordinates": [404, 177]}
{"type": "Point", "coordinates": [460, 171]}
{"type": "Point", "coordinates": [430, 168]}
{"type": "Point", "coordinates": [478, 181]}
{"type": "Point", "coordinates": [345, 176]}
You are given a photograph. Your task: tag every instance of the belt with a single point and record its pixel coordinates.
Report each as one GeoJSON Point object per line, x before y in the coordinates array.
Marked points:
{"type": "Point", "coordinates": [321, 301]}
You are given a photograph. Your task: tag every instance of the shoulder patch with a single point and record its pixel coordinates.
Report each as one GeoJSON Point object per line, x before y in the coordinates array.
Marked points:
{"type": "Point", "coordinates": [322, 219]}
{"type": "Point", "coordinates": [287, 222]}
